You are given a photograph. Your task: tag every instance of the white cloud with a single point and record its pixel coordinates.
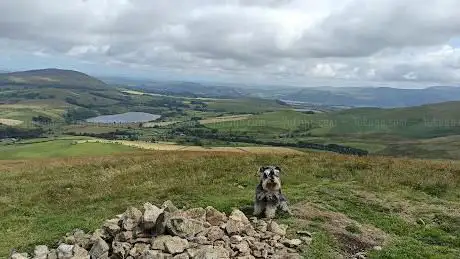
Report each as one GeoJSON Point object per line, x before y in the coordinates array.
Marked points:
{"type": "Point", "coordinates": [377, 40]}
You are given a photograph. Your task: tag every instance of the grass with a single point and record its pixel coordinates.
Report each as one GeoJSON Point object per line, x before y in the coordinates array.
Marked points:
{"type": "Point", "coordinates": [244, 106]}
{"type": "Point", "coordinates": [25, 112]}
{"type": "Point", "coordinates": [173, 146]}
{"type": "Point", "coordinates": [213, 120]}
{"type": "Point", "coordinates": [58, 148]}
{"type": "Point", "coordinates": [344, 201]}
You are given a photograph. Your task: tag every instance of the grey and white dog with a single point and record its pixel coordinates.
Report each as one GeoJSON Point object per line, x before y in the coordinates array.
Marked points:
{"type": "Point", "coordinates": [268, 193]}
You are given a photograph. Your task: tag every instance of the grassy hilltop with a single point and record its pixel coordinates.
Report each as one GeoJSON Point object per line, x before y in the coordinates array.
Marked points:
{"type": "Point", "coordinates": [409, 207]}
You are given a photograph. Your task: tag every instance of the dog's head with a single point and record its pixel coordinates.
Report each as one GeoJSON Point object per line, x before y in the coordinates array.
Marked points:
{"type": "Point", "coordinates": [270, 177]}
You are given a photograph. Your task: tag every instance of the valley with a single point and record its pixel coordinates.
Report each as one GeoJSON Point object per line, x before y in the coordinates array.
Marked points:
{"type": "Point", "coordinates": [357, 177]}
{"type": "Point", "coordinates": [78, 105]}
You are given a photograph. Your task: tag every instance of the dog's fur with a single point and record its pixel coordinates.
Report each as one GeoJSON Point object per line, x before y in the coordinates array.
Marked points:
{"type": "Point", "coordinates": [268, 193]}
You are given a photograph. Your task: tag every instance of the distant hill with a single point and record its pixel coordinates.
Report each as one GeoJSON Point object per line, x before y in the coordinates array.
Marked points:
{"type": "Point", "coordinates": [191, 89]}
{"type": "Point", "coordinates": [52, 77]}
{"type": "Point", "coordinates": [385, 97]}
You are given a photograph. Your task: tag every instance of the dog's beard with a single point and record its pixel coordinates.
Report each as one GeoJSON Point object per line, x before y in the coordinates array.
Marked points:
{"type": "Point", "coordinates": [271, 185]}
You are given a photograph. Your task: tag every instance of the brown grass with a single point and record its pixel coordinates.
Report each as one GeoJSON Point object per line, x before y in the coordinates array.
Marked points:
{"type": "Point", "coordinates": [173, 146]}
{"type": "Point", "coordinates": [10, 122]}
{"type": "Point", "coordinates": [225, 118]}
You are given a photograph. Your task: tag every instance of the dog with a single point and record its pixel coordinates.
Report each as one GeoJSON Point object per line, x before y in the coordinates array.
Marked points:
{"type": "Point", "coordinates": [268, 196]}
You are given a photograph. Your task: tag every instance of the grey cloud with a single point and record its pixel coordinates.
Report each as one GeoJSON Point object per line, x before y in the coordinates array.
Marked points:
{"type": "Point", "coordinates": [360, 39]}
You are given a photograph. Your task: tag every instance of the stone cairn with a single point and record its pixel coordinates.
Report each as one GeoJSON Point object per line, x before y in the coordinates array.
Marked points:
{"type": "Point", "coordinates": [168, 232]}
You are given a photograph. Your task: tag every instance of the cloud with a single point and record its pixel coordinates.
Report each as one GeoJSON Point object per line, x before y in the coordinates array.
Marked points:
{"type": "Point", "coordinates": [293, 40]}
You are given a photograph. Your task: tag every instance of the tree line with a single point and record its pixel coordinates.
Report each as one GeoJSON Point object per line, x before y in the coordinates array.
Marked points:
{"type": "Point", "coordinates": [206, 133]}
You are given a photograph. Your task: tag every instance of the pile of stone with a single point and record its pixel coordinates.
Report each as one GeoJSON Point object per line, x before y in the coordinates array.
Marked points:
{"type": "Point", "coordinates": [168, 232]}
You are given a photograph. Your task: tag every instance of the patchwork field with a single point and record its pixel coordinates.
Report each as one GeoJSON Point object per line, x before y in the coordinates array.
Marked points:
{"type": "Point", "coordinates": [173, 146]}
{"type": "Point", "coordinates": [225, 119]}
{"type": "Point", "coordinates": [410, 208]}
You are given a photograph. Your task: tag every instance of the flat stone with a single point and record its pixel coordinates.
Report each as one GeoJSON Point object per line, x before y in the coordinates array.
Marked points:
{"type": "Point", "coordinates": [151, 213]}
{"type": "Point", "coordinates": [158, 243]}
{"type": "Point", "coordinates": [235, 239]}
{"type": "Point", "coordinates": [64, 251]}
{"type": "Point", "coordinates": [235, 226]}
{"type": "Point", "coordinates": [238, 215]}
{"type": "Point", "coordinates": [261, 226]}
{"type": "Point", "coordinates": [52, 254]}
{"type": "Point", "coordinates": [212, 253]}
{"type": "Point", "coordinates": [293, 243]}
{"type": "Point", "coordinates": [154, 254]}
{"type": "Point", "coordinates": [139, 249]}
{"type": "Point", "coordinates": [124, 236]}
{"type": "Point", "coordinates": [184, 227]}
{"type": "Point", "coordinates": [215, 217]}
{"type": "Point", "coordinates": [196, 213]}
{"type": "Point", "coordinates": [215, 233]}
{"type": "Point", "coordinates": [99, 249]}
{"type": "Point", "coordinates": [99, 233]}
{"type": "Point", "coordinates": [243, 248]}
{"type": "Point", "coordinates": [181, 256]}
{"type": "Point", "coordinates": [176, 245]}
{"type": "Point", "coordinates": [202, 240]}
{"type": "Point", "coordinates": [80, 253]}
{"type": "Point", "coordinates": [19, 256]}
{"type": "Point", "coordinates": [131, 218]}
{"type": "Point", "coordinates": [41, 252]}
{"type": "Point", "coordinates": [277, 229]}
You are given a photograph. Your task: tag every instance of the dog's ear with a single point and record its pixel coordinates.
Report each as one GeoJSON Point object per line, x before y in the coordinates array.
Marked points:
{"type": "Point", "coordinates": [261, 170]}
{"type": "Point", "coordinates": [279, 170]}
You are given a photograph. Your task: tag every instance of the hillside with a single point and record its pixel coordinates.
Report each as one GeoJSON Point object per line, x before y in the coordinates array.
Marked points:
{"type": "Point", "coordinates": [384, 97]}
{"type": "Point", "coordinates": [409, 208]}
{"type": "Point", "coordinates": [397, 131]}
{"type": "Point", "coordinates": [52, 77]}
{"type": "Point", "coordinates": [427, 121]}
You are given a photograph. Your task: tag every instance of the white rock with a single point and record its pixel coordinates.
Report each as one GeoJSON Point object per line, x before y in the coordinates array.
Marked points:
{"type": "Point", "coordinates": [41, 252]}
{"type": "Point", "coordinates": [64, 251]}
{"type": "Point", "coordinates": [151, 214]}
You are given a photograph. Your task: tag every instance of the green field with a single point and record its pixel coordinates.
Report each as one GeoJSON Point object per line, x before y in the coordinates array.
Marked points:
{"type": "Point", "coordinates": [381, 131]}
{"type": "Point", "coordinates": [244, 106]}
{"type": "Point", "coordinates": [58, 148]}
{"type": "Point", "coordinates": [349, 203]}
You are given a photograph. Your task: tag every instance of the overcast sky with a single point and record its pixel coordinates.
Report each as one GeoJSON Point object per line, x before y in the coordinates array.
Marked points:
{"type": "Point", "coordinates": [304, 42]}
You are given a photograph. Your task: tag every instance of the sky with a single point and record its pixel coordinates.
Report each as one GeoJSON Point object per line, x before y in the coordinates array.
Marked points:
{"type": "Point", "coordinates": [399, 43]}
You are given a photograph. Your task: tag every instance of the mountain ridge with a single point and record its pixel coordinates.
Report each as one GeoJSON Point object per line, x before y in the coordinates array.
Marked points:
{"type": "Point", "coordinates": [52, 77]}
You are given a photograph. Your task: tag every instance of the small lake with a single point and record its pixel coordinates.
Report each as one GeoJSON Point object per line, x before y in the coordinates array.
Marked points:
{"type": "Point", "coordinates": [129, 117]}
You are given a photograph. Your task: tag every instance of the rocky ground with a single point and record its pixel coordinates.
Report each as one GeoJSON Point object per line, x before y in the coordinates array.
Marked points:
{"type": "Point", "coordinates": [167, 232]}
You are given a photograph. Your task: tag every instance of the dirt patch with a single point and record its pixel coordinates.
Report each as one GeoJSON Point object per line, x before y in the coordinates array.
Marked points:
{"type": "Point", "coordinates": [10, 122]}
{"type": "Point", "coordinates": [172, 146]}
{"type": "Point", "coordinates": [352, 236]}
{"type": "Point", "coordinates": [225, 118]}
